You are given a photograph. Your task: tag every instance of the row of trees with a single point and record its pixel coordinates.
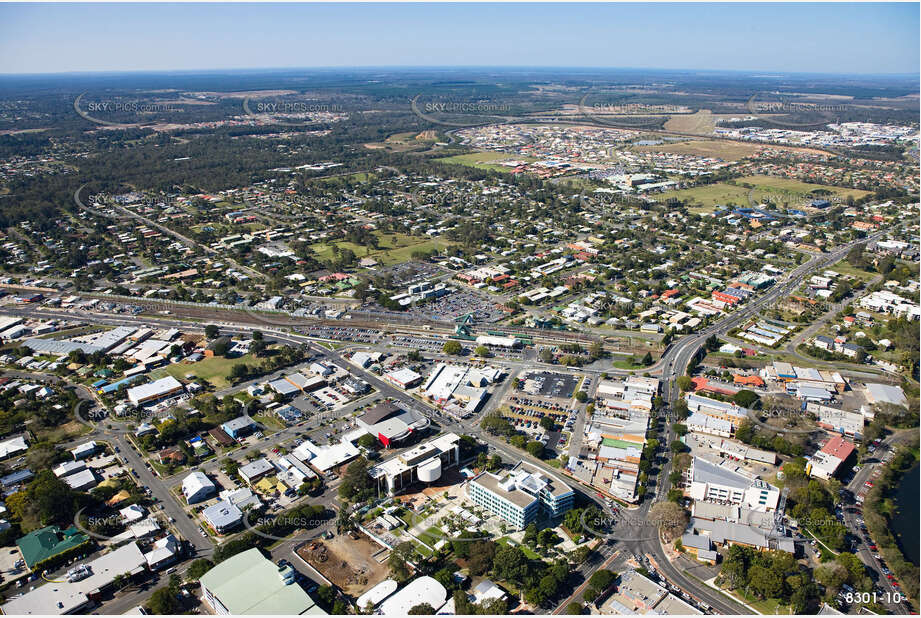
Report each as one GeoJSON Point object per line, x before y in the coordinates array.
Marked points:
{"type": "Point", "coordinates": [879, 512]}
{"type": "Point", "coordinates": [496, 424]}
{"type": "Point", "coordinates": [770, 575]}
{"type": "Point", "coordinates": [812, 504]}
{"type": "Point", "coordinates": [749, 433]}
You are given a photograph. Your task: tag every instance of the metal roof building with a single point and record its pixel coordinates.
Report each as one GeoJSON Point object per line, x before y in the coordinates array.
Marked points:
{"type": "Point", "coordinates": [223, 516]}
{"type": "Point", "coordinates": [13, 446]}
{"type": "Point", "coordinates": [283, 387]}
{"type": "Point", "coordinates": [249, 584]}
{"type": "Point", "coordinates": [48, 542]}
{"type": "Point", "coordinates": [884, 393]}
{"type": "Point", "coordinates": [59, 347]}
{"type": "Point", "coordinates": [378, 593]}
{"type": "Point", "coordinates": [720, 483]}
{"type": "Point", "coordinates": [421, 590]}
{"type": "Point", "coordinates": [255, 470]}
{"type": "Point", "coordinates": [63, 597]}
{"type": "Point", "coordinates": [197, 487]}
{"type": "Point", "coordinates": [154, 390]}
{"type": "Point", "coordinates": [404, 378]}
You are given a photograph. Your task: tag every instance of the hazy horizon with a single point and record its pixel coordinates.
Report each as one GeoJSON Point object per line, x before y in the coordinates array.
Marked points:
{"type": "Point", "coordinates": [795, 38]}
{"type": "Point", "coordinates": [435, 67]}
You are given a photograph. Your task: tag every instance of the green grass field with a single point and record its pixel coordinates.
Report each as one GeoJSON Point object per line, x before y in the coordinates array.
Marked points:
{"type": "Point", "coordinates": [846, 269]}
{"type": "Point", "coordinates": [432, 535]}
{"type": "Point", "coordinates": [705, 198]}
{"type": "Point", "coordinates": [626, 364]}
{"type": "Point", "coordinates": [393, 248]}
{"type": "Point", "coordinates": [482, 160]}
{"type": "Point", "coordinates": [356, 177]}
{"type": "Point", "coordinates": [787, 185]}
{"type": "Point", "coordinates": [766, 606]}
{"type": "Point", "coordinates": [527, 551]}
{"type": "Point", "coordinates": [215, 369]}
{"type": "Point", "coordinates": [777, 190]}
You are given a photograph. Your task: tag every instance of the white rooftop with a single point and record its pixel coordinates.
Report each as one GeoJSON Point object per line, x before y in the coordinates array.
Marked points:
{"type": "Point", "coordinates": [421, 590]}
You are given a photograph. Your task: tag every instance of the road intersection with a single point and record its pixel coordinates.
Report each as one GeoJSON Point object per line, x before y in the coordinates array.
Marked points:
{"type": "Point", "coordinates": [672, 364]}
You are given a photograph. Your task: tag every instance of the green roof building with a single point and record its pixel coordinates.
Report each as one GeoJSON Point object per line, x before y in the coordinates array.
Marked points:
{"type": "Point", "coordinates": [249, 584]}
{"type": "Point", "coordinates": [619, 443]}
{"type": "Point", "coordinates": [48, 542]}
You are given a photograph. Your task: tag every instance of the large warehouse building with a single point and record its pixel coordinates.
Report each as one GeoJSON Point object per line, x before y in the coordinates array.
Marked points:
{"type": "Point", "coordinates": [154, 391]}
{"type": "Point", "coordinates": [248, 584]}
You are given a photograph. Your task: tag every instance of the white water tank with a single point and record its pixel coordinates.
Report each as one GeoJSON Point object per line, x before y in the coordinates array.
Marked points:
{"type": "Point", "coordinates": [430, 470]}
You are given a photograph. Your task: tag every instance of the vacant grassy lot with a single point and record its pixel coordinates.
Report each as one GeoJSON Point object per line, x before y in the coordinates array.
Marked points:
{"type": "Point", "coordinates": [356, 177]}
{"type": "Point", "coordinates": [406, 142]}
{"type": "Point", "coordinates": [778, 190]}
{"type": "Point", "coordinates": [215, 370]}
{"type": "Point", "coordinates": [703, 123]}
{"type": "Point", "coordinates": [705, 198]}
{"type": "Point", "coordinates": [483, 160]}
{"type": "Point", "coordinates": [796, 187]}
{"type": "Point", "coordinates": [726, 150]}
{"type": "Point", "coordinates": [846, 269]}
{"type": "Point", "coordinates": [627, 364]}
{"type": "Point", "coordinates": [67, 431]}
{"type": "Point", "coordinates": [392, 248]}
{"type": "Point", "coordinates": [765, 606]}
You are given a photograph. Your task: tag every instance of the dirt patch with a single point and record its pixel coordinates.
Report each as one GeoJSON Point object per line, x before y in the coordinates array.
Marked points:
{"type": "Point", "coordinates": [184, 101]}
{"type": "Point", "coordinates": [702, 122]}
{"type": "Point", "coordinates": [346, 562]}
{"type": "Point", "coordinates": [248, 93]}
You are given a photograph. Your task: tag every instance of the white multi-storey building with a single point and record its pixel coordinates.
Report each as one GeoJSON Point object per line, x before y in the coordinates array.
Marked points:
{"type": "Point", "coordinates": [520, 495]}
{"type": "Point", "coordinates": [720, 484]}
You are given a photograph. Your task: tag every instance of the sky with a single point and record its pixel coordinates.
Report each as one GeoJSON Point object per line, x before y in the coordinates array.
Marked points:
{"type": "Point", "coordinates": [786, 37]}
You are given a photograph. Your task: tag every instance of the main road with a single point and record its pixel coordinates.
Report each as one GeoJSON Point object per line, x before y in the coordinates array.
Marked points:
{"type": "Point", "coordinates": [672, 364]}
